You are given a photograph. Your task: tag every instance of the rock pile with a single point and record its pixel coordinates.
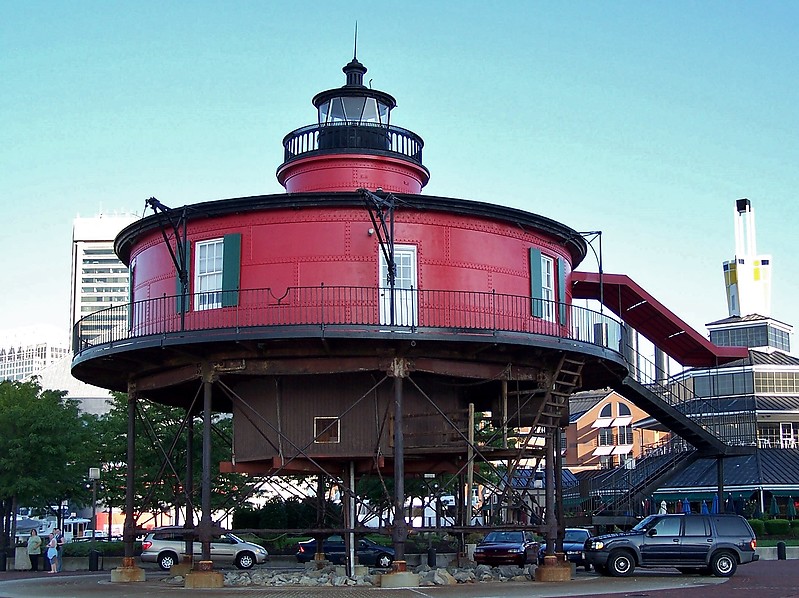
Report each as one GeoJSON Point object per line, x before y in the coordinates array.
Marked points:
{"type": "Point", "coordinates": [333, 576]}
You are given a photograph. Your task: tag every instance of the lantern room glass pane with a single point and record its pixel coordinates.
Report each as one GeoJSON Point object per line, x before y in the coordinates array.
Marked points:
{"type": "Point", "coordinates": [353, 108]}
{"type": "Point", "coordinates": [370, 114]}
{"type": "Point", "coordinates": [383, 112]}
{"type": "Point", "coordinates": [336, 113]}
{"type": "Point", "coordinates": [324, 109]}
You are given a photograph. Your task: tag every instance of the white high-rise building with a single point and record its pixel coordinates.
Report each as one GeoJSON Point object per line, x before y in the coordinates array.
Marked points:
{"type": "Point", "coordinates": [99, 278]}
{"type": "Point", "coordinates": [25, 352]}
{"type": "Point", "coordinates": [747, 276]}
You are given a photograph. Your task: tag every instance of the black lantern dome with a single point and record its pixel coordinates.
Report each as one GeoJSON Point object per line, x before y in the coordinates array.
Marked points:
{"type": "Point", "coordinates": [354, 103]}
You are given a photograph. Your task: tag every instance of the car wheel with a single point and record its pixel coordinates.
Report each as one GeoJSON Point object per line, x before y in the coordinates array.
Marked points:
{"type": "Point", "coordinates": [383, 561]}
{"type": "Point", "coordinates": [723, 564]}
{"type": "Point", "coordinates": [245, 560]}
{"type": "Point", "coordinates": [621, 563]}
{"type": "Point", "coordinates": [167, 560]}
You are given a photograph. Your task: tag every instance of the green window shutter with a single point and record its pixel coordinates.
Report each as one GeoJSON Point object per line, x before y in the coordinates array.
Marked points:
{"type": "Point", "coordinates": [231, 269]}
{"type": "Point", "coordinates": [562, 292]}
{"type": "Point", "coordinates": [183, 303]}
{"type": "Point", "coordinates": [536, 289]}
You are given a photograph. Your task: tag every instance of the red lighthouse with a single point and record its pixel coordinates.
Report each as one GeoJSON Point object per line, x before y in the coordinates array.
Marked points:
{"type": "Point", "coordinates": [356, 327]}
{"type": "Point", "coordinates": [353, 144]}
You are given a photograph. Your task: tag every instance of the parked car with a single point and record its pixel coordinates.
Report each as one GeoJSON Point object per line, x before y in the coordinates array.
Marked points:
{"type": "Point", "coordinates": [507, 548]}
{"type": "Point", "coordinates": [705, 544]}
{"type": "Point", "coordinates": [164, 545]}
{"type": "Point", "coordinates": [573, 544]}
{"type": "Point", "coordinates": [370, 553]}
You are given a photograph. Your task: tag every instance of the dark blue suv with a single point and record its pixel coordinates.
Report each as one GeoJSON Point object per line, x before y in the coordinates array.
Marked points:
{"type": "Point", "coordinates": [704, 544]}
{"type": "Point", "coordinates": [369, 553]}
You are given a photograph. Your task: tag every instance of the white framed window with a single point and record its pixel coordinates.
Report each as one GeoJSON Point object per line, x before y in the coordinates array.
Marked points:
{"type": "Point", "coordinates": [548, 287]}
{"type": "Point", "coordinates": [625, 434]}
{"type": "Point", "coordinates": [208, 260]}
{"type": "Point", "coordinates": [605, 437]}
{"type": "Point", "coordinates": [405, 287]}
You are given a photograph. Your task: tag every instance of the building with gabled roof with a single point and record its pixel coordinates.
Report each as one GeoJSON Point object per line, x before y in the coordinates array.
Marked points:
{"type": "Point", "coordinates": [600, 434]}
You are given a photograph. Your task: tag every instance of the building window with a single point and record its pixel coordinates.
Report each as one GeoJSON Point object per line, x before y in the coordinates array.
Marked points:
{"type": "Point", "coordinates": [607, 411]}
{"type": "Point", "coordinates": [326, 430]}
{"type": "Point", "coordinates": [605, 437]}
{"type": "Point", "coordinates": [606, 462]}
{"type": "Point", "coordinates": [748, 336]}
{"type": "Point", "coordinates": [217, 273]}
{"type": "Point", "coordinates": [405, 287]}
{"type": "Point", "coordinates": [625, 434]}
{"type": "Point", "coordinates": [624, 410]}
{"type": "Point", "coordinates": [548, 288]}
{"type": "Point", "coordinates": [720, 384]}
{"type": "Point", "coordinates": [208, 274]}
{"type": "Point", "coordinates": [543, 288]}
{"type": "Point", "coordinates": [777, 382]}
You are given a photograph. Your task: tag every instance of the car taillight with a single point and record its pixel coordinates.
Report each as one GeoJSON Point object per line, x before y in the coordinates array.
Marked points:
{"type": "Point", "coordinates": [301, 549]}
{"type": "Point", "coordinates": [146, 545]}
{"type": "Point", "coordinates": [753, 544]}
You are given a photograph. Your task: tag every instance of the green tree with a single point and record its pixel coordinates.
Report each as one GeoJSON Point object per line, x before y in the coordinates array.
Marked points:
{"type": "Point", "coordinates": [46, 447]}
{"type": "Point", "coordinates": [160, 465]}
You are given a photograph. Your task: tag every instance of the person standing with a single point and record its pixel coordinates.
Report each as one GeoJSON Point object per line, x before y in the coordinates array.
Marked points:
{"type": "Point", "coordinates": [52, 553]}
{"type": "Point", "coordinates": [59, 539]}
{"type": "Point", "coordinates": [34, 549]}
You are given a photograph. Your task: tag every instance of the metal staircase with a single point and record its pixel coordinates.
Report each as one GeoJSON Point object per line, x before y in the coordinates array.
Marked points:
{"type": "Point", "coordinates": [623, 489]}
{"type": "Point", "coordinates": [547, 415]}
{"type": "Point", "coordinates": [700, 427]}
{"type": "Point", "coordinates": [702, 422]}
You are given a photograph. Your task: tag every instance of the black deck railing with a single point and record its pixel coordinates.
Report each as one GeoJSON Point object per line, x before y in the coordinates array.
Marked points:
{"type": "Point", "coordinates": [361, 308]}
{"type": "Point", "coordinates": [618, 491]}
{"type": "Point", "coordinates": [322, 137]}
{"type": "Point", "coordinates": [734, 427]}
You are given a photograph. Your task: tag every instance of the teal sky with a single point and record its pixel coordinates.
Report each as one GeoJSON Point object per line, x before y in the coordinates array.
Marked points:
{"type": "Point", "coordinates": [645, 120]}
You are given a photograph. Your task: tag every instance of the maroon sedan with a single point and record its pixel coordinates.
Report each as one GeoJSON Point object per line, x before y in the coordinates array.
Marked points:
{"type": "Point", "coordinates": [506, 548]}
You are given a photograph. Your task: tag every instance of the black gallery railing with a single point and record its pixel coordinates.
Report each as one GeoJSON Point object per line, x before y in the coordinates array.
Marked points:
{"type": "Point", "coordinates": [350, 135]}
{"type": "Point", "coordinates": [362, 308]}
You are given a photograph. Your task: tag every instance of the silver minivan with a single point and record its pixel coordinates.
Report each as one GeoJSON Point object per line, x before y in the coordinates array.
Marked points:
{"type": "Point", "coordinates": [165, 545]}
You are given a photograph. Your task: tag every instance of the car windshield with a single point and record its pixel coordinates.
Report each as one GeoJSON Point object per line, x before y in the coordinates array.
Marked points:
{"type": "Point", "coordinates": [511, 537]}
{"type": "Point", "coordinates": [643, 524]}
{"type": "Point", "coordinates": [234, 537]}
{"type": "Point", "coordinates": [575, 535]}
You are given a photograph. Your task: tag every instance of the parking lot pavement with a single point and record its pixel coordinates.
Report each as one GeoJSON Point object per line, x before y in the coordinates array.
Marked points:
{"type": "Point", "coordinates": [774, 579]}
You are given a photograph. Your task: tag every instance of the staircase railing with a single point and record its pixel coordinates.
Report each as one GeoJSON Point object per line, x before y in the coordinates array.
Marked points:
{"type": "Point", "coordinates": [618, 491]}
{"type": "Point", "coordinates": [734, 428]}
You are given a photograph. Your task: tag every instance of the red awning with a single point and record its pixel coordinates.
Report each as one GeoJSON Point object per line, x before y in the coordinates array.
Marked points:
{"type": "Point", "coordinates": [652, 319]}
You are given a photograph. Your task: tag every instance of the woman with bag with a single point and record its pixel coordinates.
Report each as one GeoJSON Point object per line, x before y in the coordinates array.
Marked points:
{"type": "Point", "coordinates": [52, 553]}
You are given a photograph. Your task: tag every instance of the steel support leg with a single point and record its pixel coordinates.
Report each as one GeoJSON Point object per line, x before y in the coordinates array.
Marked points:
{"type": "Point", "coordinates": [400, 533]}
{"type": "Point", "coordinates": [205, 526]}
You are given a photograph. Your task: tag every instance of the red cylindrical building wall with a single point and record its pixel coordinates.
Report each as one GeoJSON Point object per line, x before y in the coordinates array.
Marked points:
{"type": "Point", "coordinates": [284, 248]}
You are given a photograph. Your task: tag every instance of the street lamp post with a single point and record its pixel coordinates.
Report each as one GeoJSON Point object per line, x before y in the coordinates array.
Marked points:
{"type": "Point", "coordinates": [94, 475]}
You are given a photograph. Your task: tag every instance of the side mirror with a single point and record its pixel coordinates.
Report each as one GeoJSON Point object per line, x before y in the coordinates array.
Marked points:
{"type": "Point", "coordinates": [651, 532]}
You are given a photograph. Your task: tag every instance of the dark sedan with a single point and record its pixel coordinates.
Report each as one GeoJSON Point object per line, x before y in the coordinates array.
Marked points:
{"type": "Point", "coordinates": [506, 548]}
{"type": "Point", "coordinates": [573, 543]}
{"type": "Point", "coordinates": [370, 553]}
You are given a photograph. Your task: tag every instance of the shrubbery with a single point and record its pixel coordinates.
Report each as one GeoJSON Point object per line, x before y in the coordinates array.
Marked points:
{"type": "Point", "coordinates": [758, 526]}
{"type": "Point", "coordinates": [81, 549]}
{"type": "Point", "coordinates": [777, 527]}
